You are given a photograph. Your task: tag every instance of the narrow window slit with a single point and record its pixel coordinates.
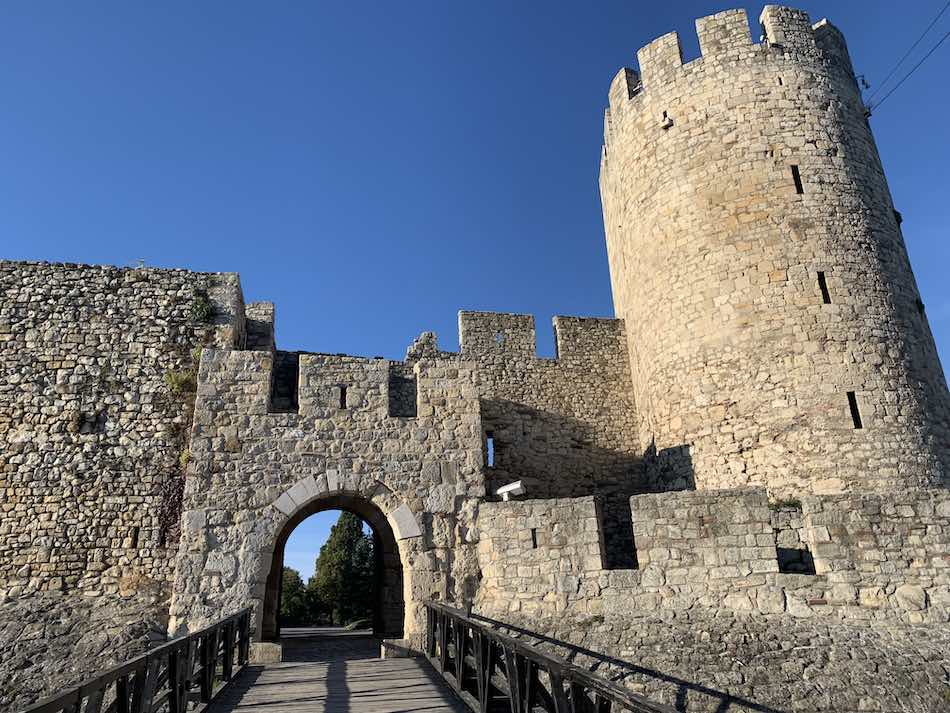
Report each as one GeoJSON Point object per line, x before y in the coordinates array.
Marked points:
{"type": "Point", "coordinates": [285, 383]}
{"type": "Point", "coordinates": [797, 177]}
{"type": "Point", "coordinates": [534, 538]}
{"type": "Point", "coordinates": [780, 82]}
{"type": "Point", "coordinates": [823, 285]}
{"type": "Point", "coordinates": [490, 448]}
{"type": "Point", "coordinates": [342, 396]}
{"type": "Point", "coordinates": [855, 413]}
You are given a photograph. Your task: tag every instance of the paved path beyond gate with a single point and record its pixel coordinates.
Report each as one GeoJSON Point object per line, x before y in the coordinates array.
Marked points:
{"type": "Point", "coordinates": [332, 671]}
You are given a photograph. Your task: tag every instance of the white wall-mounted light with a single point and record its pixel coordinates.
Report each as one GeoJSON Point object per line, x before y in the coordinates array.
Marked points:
{"type": "Point", "coordinates": [506, 491]}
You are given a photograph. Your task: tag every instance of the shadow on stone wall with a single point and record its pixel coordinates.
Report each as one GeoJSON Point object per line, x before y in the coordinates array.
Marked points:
{"type": "Point", "coordinates": [668, 469]}
{"type": "Point", "coordinates": [557, 456]}
{"type": "Point", "coordinates": [619, 671]}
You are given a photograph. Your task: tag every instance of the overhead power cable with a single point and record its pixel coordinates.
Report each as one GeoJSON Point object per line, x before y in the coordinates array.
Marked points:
{"type": "Point", "coordinates": [908, 52]}
{"type": "Point", "coordinates": [914, 69]}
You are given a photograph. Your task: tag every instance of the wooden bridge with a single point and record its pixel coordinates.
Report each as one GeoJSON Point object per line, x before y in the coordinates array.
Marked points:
{"type": "Point", "coordinates": [337, 671]}
{"type": "Point", "coordinates": [468, 666]}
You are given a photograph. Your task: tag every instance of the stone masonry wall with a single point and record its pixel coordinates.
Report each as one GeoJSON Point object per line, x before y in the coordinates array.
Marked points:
{"type": "Point", "coordinates": [95, 369]}
{"type": "Point", "coordinates": [563, 426]}
{"type": "Point", "coordinates": [538, 554]}
{"type": "Point", "coordinates": [89, 420]}
{"type": "Point", "coordinates": [876, 557]}
{"type": "Point", "coordinates": [708, 623]}
{"type": "Point", "coordinates": [754, 306]}
{"type": "Point", "coordinates": [253, 471]}
{"type": "Point", "coordinates": [734, 491]}
{"type": "Point", "coordinates": [874, 550]}
{"type": "Point", "coordinates": [566, 426]}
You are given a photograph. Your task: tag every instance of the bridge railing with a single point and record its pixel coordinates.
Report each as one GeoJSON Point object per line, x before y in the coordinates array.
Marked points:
{"type": "Point", "coordinates": [170, 677]}
{"type": "Point", "coordinates": [487, 669]}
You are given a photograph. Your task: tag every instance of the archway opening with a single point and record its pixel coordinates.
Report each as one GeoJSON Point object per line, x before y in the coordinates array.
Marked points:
{"type": "Point", "coordinates": [363, 548]}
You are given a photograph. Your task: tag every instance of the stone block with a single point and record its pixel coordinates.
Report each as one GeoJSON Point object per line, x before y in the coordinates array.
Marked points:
{"type": "Point", "coordinates": [286, 504]}
{"type": "Point", "coordinates": [264, 652]}
{"type": "Point", "coordinates": [404, 523]}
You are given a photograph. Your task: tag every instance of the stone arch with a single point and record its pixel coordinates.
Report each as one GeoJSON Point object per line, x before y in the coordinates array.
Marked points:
{"type": "Point", "coordinates": [394, 526]}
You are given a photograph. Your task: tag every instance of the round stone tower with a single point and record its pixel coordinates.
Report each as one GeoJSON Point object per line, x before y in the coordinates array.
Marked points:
{"type": "Point", "coordinates": [776, 333]}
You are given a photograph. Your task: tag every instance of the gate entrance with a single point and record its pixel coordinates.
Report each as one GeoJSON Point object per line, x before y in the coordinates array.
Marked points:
{"type": "Point", "coordinates": [388, 610]}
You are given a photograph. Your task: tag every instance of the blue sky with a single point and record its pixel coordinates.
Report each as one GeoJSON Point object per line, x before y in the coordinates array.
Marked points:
{"type": "Point", "coordinates": [305, 541]}
{"type": "Point", "coordinates": [374, 167]}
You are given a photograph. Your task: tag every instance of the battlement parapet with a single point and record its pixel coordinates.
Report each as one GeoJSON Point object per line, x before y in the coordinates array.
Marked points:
{"type": "Point", "coordinates": [532, 551]}
{"type": "Point", "coordinates": [498, 335]}
{"type": "Point", "coordinates": [875, 556]}
{"type": "Point", "coordinates": [259, 320]}
{"type": "Point", "coordinates": [723, 38]}
{"type": "Point", "coordinates": [332, 386]}
{"type": "Point", "coordinates": [873, 535]}
{"type": "Point", "coordinates": [700, 535]}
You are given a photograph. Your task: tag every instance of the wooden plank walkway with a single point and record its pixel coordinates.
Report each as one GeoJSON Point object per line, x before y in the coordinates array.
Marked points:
{"type": "Point", "coordinates": [337, 672]}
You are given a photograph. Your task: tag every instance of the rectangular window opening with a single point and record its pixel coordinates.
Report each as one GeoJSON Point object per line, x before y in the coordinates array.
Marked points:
{"type": "Point", "coordinates": [534, 538]}
{"type": "Point", "coordinates": [797, 177]}
{"type": "Point", "coordinates": [823, 285]}
{"type": "Point", "coordinates": [342, 396]}
{"type": "Point", "coordinates": [855, 413]}
{"type": "Point", "coordinates": [490, 447]}
{"type": "Point", "coordinates": [403, 394]}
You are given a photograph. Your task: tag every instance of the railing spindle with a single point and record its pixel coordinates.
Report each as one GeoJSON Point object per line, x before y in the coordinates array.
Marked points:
{"type": "Point", "coordinates": [122, 694]}
{"type": "Point", "coordinates": [228, 661]}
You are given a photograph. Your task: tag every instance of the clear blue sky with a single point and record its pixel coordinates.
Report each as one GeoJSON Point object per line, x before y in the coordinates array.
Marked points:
{"type": "Point", "coordinates": [374, 167]}
{"type": "Point", "coordinates": [305, 541]}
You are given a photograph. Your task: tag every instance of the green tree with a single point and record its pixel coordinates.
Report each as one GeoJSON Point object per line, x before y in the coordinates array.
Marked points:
{"type": "Point", "coordinates": [294, 601]}
{"type": "Point", "coordinates": [343, 584]}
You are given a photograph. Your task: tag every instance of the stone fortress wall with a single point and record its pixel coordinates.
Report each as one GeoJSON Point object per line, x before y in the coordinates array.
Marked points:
{"type": "Point", "coordinates": [758, 263]}
{"type": "Point", "coordinates": [810, 568]}
{"type": "Point", "coordinates": [699, 509]}
{"type": "Point", "coordinates": [564, 426]}
{"type": "Point", "coordinates": [92, 434]}
{"type": "Point", "coordinates": [269, 436]}
{"type": "Point", "coordinates": [408, 436]}
{"type": "Point", "coordinates": [874, 556]}
{"type": "Point", "coordinates": [255, 470]}
{"type": "Point", "coordinates": [711, 621]}
{"type": "Point", "coordinates": [91, 442]}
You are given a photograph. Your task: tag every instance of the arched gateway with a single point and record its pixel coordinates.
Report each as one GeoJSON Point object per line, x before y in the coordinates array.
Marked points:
{"type": "Point", "coordinates": [388, 605]}
{"type": "Point", "coordinates": [256, 473]}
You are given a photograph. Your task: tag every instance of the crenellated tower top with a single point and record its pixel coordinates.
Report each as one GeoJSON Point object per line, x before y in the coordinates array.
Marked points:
{"type": "Point", "coordinates": [724, 38]}
{"type": "Point", "coordinates": [772, 318]}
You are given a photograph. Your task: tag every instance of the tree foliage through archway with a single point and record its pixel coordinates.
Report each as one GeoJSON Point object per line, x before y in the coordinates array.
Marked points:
{"type": "Point", "coordinates": [341, 591]}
